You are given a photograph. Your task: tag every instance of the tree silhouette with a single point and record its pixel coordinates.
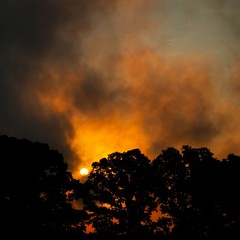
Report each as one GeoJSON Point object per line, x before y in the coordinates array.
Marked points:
{"type": "Point", "coordinates": [120, 199]}
{"type": "Point", "coordinates": [196, 195]}
{"type": "Point", "coordinates": [36, 192]}
{"type": "Point", "coordinates": [200, 193]}
{"type": "Point", "coordinates": [227, 197]}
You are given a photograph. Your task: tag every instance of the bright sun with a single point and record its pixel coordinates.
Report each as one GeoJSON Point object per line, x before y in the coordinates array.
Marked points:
{"type": "Point", "coordinates": [84, 171]}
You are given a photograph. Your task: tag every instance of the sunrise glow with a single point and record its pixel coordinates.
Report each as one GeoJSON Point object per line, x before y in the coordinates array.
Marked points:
{"type": "Point", "coordinates": [137, 75]}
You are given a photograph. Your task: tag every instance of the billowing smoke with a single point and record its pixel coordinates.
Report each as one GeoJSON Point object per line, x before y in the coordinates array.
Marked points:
{"type": "Point", "coordinates": [94, 77]}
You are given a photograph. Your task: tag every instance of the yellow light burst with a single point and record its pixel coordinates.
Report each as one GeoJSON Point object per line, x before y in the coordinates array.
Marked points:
{"type": "Point", "coordinates": [84, 171]}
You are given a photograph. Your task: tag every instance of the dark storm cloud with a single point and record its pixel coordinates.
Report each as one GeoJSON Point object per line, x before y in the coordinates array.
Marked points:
{"type": "Point", "coordinates": [175, 107]}
{"type": "Point", "coordinates": [40, 43]}
{"type": "Point", "coordinates": [89, 77]}
{"type": "Point", "coordinates": [31, 34]}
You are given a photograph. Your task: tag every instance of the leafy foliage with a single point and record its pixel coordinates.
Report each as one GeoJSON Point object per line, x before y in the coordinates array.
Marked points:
{"type": "Point", "coordinates": [120, 199]}
{"type": "Point", "coordinates": [200, 193]}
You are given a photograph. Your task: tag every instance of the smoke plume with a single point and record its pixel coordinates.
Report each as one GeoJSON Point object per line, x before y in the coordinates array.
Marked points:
{"type": "Point", "coordinates": [94, 77]}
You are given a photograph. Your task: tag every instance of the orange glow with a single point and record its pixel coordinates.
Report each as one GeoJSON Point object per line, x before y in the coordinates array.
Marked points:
{"type": "Point", "coordinates": [156, 104]}
{"type": "Point", "coordinates": [95, 140]}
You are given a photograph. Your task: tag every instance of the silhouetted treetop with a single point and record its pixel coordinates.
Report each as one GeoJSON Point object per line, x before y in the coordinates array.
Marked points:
{"type": "Point", "coordinates": [200, 193]}
{"type": "Point", "coordinates": [36, 191]}
{"type": "Point", "coordinates": [120, 197]}
{"type": "Point", "coordinates": [181, 194]}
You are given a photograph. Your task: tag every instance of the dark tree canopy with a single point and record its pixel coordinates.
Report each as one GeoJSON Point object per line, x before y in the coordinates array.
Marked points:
{"type": "Point", "coordinates": [180, 195]}
{"type": "Point", "coordinates": [195, 192]}
{"type": "Point", "coordinates": [36, 192]}
{"type": "Point", "coordinates": [120, 199]}
{"type": "Point", "coordinates": [200, 193]}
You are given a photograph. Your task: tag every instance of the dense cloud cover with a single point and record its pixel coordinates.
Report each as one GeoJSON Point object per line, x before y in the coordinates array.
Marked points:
{"type": "Point", "coordinates": [94, 77]}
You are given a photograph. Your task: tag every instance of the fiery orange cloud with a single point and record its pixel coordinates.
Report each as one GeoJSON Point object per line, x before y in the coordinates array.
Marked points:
{"type": "Point", "coordinates": [156, 104]}
{"type": "Point", "coordinates": [109, 76]}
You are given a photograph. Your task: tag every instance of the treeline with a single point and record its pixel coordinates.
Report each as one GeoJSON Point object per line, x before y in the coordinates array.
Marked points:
{"type": "Point", "coordinates": [180, 195]}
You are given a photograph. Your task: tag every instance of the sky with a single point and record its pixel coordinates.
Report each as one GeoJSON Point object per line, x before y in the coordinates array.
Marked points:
{"type": "Point", "coordinates": [94, 77]}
